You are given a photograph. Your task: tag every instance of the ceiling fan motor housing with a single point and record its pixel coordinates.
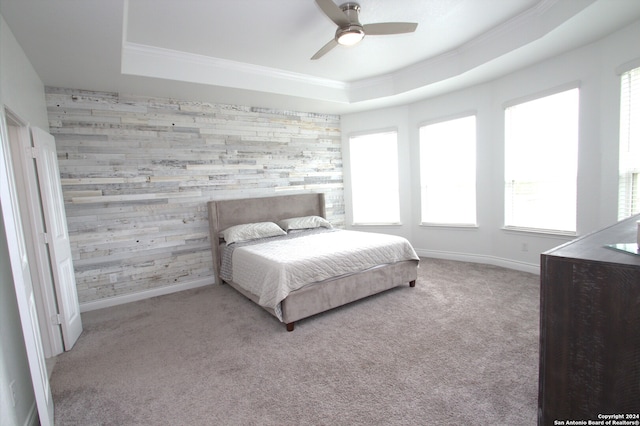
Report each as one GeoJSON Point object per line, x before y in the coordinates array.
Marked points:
{"type": "Point", "coordinates": [350, 34]}
{"type": "Point", "coordinates": [352, 10]}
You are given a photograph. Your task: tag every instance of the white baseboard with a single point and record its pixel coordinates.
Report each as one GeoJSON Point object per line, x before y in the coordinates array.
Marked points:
{"type": "Point", "coordinates": [477, 258]}
{"type": "Point", "coordinates": [141, 295]}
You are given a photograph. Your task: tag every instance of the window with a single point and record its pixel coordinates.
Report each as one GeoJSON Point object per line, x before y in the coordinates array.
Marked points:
{"type": "Point", "coordinates": [541, 163]}
{"type": "Point", "coordinates": [629, 168]}
{"type": "Point", "coordinates": [374, 178]}
{"type": "Point", "coordinates": [448, 172]}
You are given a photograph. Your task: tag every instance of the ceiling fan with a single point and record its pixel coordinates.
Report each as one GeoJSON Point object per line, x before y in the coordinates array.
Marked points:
{"type": "Point", "coordinates": [350, 31]}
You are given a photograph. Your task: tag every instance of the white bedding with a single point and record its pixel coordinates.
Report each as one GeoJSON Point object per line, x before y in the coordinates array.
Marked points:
{"type": "Point", "coordinates": [273, 269]}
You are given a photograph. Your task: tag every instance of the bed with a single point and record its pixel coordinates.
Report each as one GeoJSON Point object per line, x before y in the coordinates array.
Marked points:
{"type": "Point", "coordinates": [326, 291]}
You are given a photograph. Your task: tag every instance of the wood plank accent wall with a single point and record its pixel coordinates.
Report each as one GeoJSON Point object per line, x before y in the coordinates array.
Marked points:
{"type": "Point", "coordinates": [137, 173]}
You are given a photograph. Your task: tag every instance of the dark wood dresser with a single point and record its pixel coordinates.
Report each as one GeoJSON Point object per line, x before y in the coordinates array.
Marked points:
{"type": "Point", "coordinates": [590, 328]}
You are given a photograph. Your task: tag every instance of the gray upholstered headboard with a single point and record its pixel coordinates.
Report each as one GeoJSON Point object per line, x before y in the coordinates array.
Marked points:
{"type": "Point", "coordinates": [226, 213]}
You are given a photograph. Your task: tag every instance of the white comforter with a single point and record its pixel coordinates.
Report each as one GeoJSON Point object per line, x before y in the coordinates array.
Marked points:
{"type": "Point", "coordinates": [273, 269]}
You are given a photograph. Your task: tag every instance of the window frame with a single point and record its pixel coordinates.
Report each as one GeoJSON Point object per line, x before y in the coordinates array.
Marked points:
{"type": "Point", "coordinates": [450, 118]}
{"type": "Point", "coordinates": [396, 184]}
{"type": "Point", "coordinates": [522, 100]}
{"type": "Point", "coordinates": [628, 180]}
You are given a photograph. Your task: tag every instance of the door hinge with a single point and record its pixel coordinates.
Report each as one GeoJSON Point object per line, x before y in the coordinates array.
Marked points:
{"type": "Point", "coordinates": [56, 319]}
{"type": "Point", "coordinates": [34, 151]}
{"type": "Point", "coordinates": [45, 238]}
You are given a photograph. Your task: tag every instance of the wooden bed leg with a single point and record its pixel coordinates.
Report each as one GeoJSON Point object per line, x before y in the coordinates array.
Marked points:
{"type": "Point", "coordinates": [412, 283]}
{"type": "Point", "coordinates": [290, 326]}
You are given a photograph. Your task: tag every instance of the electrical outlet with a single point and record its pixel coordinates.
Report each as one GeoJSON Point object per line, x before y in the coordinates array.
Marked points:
{"type": "Point", "coordinates": [113, 278]}
{"type": "Point", "coordinates": [12, 392]}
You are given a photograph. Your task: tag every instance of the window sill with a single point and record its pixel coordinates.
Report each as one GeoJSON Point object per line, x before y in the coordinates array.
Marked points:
{"type": "Point", "coordinates": [541, 232]}
{"type": "Point", "coordinates": [394, 224]}
{"type": "Point", "coordinates": [449, 225]}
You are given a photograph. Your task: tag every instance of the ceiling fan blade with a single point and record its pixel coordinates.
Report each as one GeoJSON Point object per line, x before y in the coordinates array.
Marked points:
{"type": "Point", "coordinates": [327, 47]}
{"type": "Point", "coordinates": [385, 28]}
{"type": "Point", "coordinates": [333, 12]}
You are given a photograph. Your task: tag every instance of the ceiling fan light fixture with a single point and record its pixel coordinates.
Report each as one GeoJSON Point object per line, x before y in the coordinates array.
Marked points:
{"type": "Point", "coordinates": [348, 36]}
{"type": "Point", "coordinates": [350, 31]}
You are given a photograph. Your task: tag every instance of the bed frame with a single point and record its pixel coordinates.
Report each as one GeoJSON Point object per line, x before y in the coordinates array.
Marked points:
{"type": "Point", "coordinates": [314, 298]}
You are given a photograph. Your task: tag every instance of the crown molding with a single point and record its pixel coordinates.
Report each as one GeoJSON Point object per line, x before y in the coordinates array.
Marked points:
{"type": "Point", "coordinates": [521, 30]}
{"type": "Point", "coordinates": [150, 61]}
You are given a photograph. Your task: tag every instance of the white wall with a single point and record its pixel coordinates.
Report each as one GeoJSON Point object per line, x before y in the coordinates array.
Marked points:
{"type": "Point", "coordinates": [594, 67]}
{"type": "Point", "coordinates": [13, 356]}
{"type": "Point", "coordinates": [22, 91]}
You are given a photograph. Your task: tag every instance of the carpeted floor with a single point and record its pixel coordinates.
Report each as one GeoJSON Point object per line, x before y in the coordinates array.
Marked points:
{"type": "Point", "coordinates": [459, 348]}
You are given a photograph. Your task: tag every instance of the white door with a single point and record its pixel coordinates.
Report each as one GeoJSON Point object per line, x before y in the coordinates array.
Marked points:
{"type": "Point", "coordinates": [22, 281]}
{"type": "Point", "coordinates": [57, 235]}
{"type": "Point", "coordinates": [28, 192]}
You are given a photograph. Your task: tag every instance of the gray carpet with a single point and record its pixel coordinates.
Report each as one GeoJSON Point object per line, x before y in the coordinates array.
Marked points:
{"type": "Point", "coordinates": [459, 348]}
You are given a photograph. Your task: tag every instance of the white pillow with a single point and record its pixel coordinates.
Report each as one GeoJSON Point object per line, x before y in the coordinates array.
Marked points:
{"type": "Point", "coordinates": [251, 231]}
{"type": "Point", "coordinates": [305, 222]}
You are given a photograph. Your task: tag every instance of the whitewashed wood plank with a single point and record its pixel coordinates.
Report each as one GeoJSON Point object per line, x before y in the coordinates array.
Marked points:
{"type": "Point", "coordinates": [135, 197]}
{"type": "Point", "coordinates": [101, 181]}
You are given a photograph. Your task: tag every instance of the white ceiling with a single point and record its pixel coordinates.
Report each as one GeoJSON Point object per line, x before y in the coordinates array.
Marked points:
{"type": "Point", "coordinates": [257, 52]}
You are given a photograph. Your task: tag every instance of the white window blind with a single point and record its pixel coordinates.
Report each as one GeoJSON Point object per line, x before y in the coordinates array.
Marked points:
{"type": "Point", "coordinates": [541, 163]}
{"type": "Point", "coordinates": [448, 172]}
{"type": "Point", "coordinates": [374, 178]}
{"type": "Point", "coordinates": [629, 168]}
